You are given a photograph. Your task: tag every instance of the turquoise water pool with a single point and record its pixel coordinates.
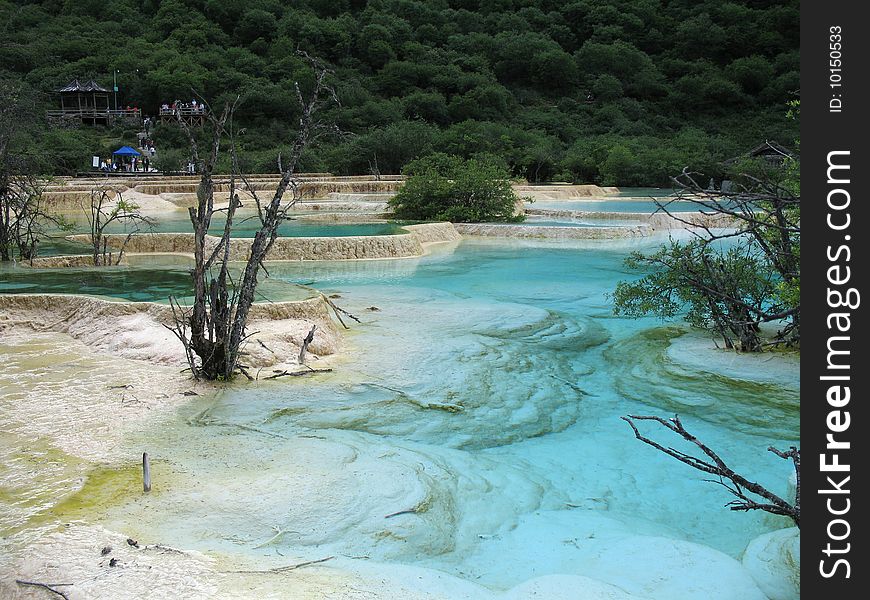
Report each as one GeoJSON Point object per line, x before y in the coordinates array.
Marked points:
{"type": "Point", "coordinates": [546, 222]}
{"type": "Point", "coordinates": [247, 225]}
{"type": "Point", "coordinates": [480, 403]}
{"type": "Point", "coordinates": [146, 284]}
{"type": "Point", "coordinates": [643, 192]}
{"type": "Point", "coordinates": [639, 205]}
{"type": "Point", "coordinates": [146, 279]}
{"type": "Point", "coordinates": [642, 200]}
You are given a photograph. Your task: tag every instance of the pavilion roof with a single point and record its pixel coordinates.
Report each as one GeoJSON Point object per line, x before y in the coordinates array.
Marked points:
{"type": "Point", "coordinates": [77, 86]}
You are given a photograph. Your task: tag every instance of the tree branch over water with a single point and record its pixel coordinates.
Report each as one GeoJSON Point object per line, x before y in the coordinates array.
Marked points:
{"type": "Point", "coordinates": [741, 487]}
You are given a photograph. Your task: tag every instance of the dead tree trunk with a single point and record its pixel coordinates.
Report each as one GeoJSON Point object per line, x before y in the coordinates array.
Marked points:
{"type": "Point", "coordinates": [214, 328]}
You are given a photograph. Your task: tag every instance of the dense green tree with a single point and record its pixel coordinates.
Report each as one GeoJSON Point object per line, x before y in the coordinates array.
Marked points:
{"type": "Point", "coordinates": [391, 147]}
{"type": "Point", "coordinates": [442, 187]}
{"type": "Point", "coordinates": [427, 106]}
{"type": "Point", "coordinates": [722, 291]}
{"type": "Point", "coordinates": [609, 71]}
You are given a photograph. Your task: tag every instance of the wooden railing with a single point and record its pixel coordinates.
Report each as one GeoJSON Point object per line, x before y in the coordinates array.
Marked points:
{"type": "Point", "coordinates": [184, 111]}
{"type": "Point", "coordinates": [95, 112]}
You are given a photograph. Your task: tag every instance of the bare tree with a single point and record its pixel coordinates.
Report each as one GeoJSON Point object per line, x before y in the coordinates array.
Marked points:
{"type": "Point", "coordinates": [374, 169]}
{"type": "Point", "coordinates": [214, 328]}
{"type": "Point", "coordinates": [24, 222]}
{"type": "Point", "coordinates": [105, 210]}
{"type": "Point", "coordinates": [749, 494]}
{"type": "Point", "coordinates": [23, 218]}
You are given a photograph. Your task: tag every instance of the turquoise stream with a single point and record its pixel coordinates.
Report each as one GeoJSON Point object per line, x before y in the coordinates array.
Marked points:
{"type": "Point", "coordinates": [482, 403]}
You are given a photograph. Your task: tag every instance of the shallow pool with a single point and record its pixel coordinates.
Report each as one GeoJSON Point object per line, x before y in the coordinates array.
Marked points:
{"type": "Point", "coordinates": [247, 225]}
{"type": "Point", "coordinates": [586, 222]}
{"type": "Point", "coordinates": [638, 205]}
{"type": "Point", "coordinates": [475, 428]}
{"type": "Point", "coordinates": [643, 192]}
{"type": "Point", "coordinates": [147, 279]}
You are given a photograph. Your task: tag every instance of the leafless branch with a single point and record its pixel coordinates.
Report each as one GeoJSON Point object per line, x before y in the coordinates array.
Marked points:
{"type": "Point", "coordinates": [735, 483]}
{"type": "Point", "coordinates": [51, 587]}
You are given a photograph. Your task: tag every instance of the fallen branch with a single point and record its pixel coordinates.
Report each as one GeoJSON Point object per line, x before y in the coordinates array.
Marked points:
{"type": "Point", "coordinates": [573, 386]}
{"type": "Point", "coordinates": [287, 568]}
{"type": "Point", "coordinates": [278, 533]}
{"type": "Point", "coordinates": [407, 511]}
{"type": "Point", "coordinates": [339, 311]}
{"type": "Point", "coordinates": [310, 371]}
{"type": "Point", "coordinates": [164, 549]}
{"type": "Point", "coordinates": [46, 586]}
{"type": "Point", "coordinates": [733, 482]}
{"type": "Point", "coordinates": [244, 371]}
{"type": "Point", "coordinates": [240, 426]}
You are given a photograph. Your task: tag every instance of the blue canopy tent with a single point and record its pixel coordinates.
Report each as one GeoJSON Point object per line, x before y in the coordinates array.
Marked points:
{"type": "Point", "coordinates": [127, 156]}
{"type": "Point", "coordinates": [126, 151]}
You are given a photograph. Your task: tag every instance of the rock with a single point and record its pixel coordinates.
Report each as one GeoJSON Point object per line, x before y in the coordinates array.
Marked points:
{"type": "Point", "coordinates": [774, 561]}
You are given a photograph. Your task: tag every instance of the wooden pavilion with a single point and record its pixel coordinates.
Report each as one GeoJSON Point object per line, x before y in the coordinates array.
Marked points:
{"type": "Point", "coordinates": [88, 103]}
{"type": "Point", "coordinates": [769, 151]}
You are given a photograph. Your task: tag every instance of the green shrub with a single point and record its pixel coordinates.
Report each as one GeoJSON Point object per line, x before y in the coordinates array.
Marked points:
{"type": "Point", "coordinates": [170, 160]}
{"type": "Point", "coordinates": [443, 187]}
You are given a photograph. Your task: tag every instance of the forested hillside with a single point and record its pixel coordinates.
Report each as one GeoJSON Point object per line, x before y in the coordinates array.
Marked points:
{"type": "Point", "coordinates": [610, 91]}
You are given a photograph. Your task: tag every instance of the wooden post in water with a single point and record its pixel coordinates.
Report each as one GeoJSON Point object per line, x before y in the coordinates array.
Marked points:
{"type": "Point", "coordinates": [146, 472]}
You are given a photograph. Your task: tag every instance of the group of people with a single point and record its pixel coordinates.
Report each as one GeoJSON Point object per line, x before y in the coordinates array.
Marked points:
{"type": "Point", "coordinates": [136, 163]}
{"type": "Point", "coordinates": [131, 164]}
{"type": "Point", "coordinates": [146, 144]}
{"type": "Point", "coordinates": [192, 106]}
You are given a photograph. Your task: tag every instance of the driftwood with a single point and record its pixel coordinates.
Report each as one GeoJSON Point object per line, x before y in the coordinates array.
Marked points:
{"type": "Point", "coordinates": [287, 568]}
{"type": "Point", "coordinates": [308, 339]}
{"type": "Point", "coordinates": [573, 386]}
{"type": "Point", "coordinates": [278, 533]}
{"type": "Point", "coordinates": [735, 483]}
{"type": "Point", "coordinates": [46, 586]}
{"type": "Point", "coordinates": [407, 511]}
{"type": "Point", "coordinates": [146, 472]}
{"type": "Point", "coordinates": [164, 549]}
{"type": "Point", "coordinates": [310, 371]}
{"type": "Point", "coordinates": [340, 311]}
{"type": "Point", "coordinates": [244, 371]}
